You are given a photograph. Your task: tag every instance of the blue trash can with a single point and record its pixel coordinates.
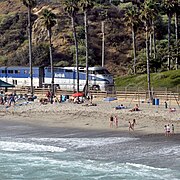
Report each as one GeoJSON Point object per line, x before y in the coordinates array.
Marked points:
{"type": "Point", "coordinates": [157, 102]}
{"type": "Point", "coordinates": [153, 102]}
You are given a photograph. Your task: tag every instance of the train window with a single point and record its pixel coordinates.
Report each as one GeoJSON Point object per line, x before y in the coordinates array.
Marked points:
{"type": "Point", "coordinates": [17, 71]}
{"type": "Point", "coordinates": [82, 71]}
{"type": "Point", "coordinates": [68, 70]}
{"type": "Point", "coordinates": [4, 71]}
{"type": "Point", "coordinates": [14, 82]}
{"type": "Point", "coordinates": [103, 71]}
{"type": "Point", "coordinates": [10, 71]}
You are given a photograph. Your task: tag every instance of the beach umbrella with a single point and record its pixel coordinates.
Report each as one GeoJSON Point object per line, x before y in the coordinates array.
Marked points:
{"type": "Point", "coordinates": [5, 84]}
{"type": "Point", "coordinates": [79, 94]}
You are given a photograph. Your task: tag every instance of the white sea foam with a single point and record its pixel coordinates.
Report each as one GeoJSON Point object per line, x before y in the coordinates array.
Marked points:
{"type": "Point", "coordinates": [172, 150]}
{"type": "Point", "coordinates": [85, 142]}
{"type": "Point", "coordinates": [21, 146]}
{"type": "Point", "coordinates": [75, 142]}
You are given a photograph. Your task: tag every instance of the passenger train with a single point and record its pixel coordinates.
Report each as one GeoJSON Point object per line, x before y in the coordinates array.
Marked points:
{"type": "Point", "coordinates": [64, 77]}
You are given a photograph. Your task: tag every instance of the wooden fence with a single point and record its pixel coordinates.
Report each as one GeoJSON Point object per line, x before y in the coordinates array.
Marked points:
{"type": "Point", "coordinates": [125, 94]}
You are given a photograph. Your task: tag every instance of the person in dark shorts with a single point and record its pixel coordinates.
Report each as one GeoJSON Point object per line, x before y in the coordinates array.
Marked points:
{"type": "Point", "coordinates": [168, 130]}
{"type": "Point", "coordinates": [111, 119]}
{"type": "Point", "coordinates": [172, 129]}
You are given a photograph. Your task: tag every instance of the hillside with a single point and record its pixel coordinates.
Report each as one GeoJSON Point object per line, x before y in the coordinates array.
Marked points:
{"type": "Point", "coordinates": [14, 38]}
{"type": "Point", "coordinates": [118, 40]}
{"type": "Point", "coordinates": [159, 81]}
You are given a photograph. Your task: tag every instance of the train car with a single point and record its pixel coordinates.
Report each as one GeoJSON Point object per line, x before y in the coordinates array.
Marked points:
{"type": "Point", "coordinates": [20, 76]}
{"type": "Point", "coordinates": [64, 77]}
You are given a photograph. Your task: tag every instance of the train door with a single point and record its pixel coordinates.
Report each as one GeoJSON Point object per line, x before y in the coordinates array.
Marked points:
{"type": "Point", "coordinates": [41, 76]}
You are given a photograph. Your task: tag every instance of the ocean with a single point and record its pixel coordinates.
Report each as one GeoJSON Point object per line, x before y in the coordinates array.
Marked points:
{"type": "Point", "coordinates": [47, 153]}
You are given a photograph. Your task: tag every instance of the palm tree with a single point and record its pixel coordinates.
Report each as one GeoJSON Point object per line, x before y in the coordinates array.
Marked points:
{"type": "Point", "coordinates": [177, 12]}
{"type": "Point", "coordinates": [86, 5]}
{"type": "Point", "coordinates": [103, 15]}
{"type": "Point", "coordinates": [154, 8]}
{"type": "Point", "coordinates": [168, 8]}
{"type": "Point", "coordinates": [49, 20]}
{"type": "Point", "coordinates": [132, 19]}
{"type": "Point", "coordinates": [30, 4]}
{"type": "Point", "coordinates": [71, 7]}
{"type": "Point", "coordinates": [146, 19]}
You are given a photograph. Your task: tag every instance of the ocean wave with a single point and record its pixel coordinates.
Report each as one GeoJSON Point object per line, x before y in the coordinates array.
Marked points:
{"type": "Point", "coordinates": [21, 146]}
{"type": "Point", "coordinates": [86, 142]}
{"type": "Point", "coordinates": [75, 142]}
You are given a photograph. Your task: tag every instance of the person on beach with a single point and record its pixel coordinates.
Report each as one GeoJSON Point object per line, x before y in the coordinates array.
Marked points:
{"type": "Point", "coordinates": [133, 123]}
{"type": "Point", "coordinates": [111, 121]}
{"type": "Point", "coordinates": [172, 109]}
{"type": "Point", "coordinates": [165, 104]}
{"type": "Point", "coordinates": [130, 126]}
{"type": "Point", "coordinates": [116, 121]}
{"type": "Point", "coordinates": [91, 97]}
{"type": "Point", "coordinates": [165, 130]}
{"type": "Point", "coordinates": [136, 108]}
{"type": "Point", "coordinates": [48, 94]}
{"type": "Point", "coordinates": [12, 99]}
{"type": "Point", "coordinates": [168, 130]}
{"type": "Point", "coordinates": [172, 129]}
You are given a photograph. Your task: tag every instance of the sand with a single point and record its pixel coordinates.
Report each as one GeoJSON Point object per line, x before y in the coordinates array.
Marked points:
{"type": "Point", "coordinates": [150, 119]}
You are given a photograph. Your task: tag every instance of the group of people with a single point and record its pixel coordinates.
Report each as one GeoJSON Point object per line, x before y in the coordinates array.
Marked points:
{"type": "Point", "coordinates": [131, 125]}
{"type": "Point", "coordinates": [50, 97]}
{"type": "Point", "coordinates": [168, 130]}
{"type": "Point", "coordinates": [8, 99]}
{"type": "Point", "coordinates": [120, 107]}
{"type": "Point", "coordinates": [113, 121]}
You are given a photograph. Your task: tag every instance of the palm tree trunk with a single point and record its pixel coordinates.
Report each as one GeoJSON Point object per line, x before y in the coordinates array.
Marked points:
{"type": "Point", "coordinates": [150, 45]}
{"type": "Point", "coordinates": [87, 51]}
{"type": "Point", "coordinates": [169, 39]}
{"type": "Point", "coordinates": [103, 43]}
{"type": "Point", "coordinates": [154, 40]}
{"type": "Point", "coordinates": [30, 49]}
{"type": "Point", "coordinates": [176, 31]}
{"type": "Point", "coordinates": [51, 62]}
{"type": "Point", "coordinates": [134, 48]}
{"type": "Point", "coordinates": [148, 68]}
{"type": "Point", "coordinates": [76, 46]}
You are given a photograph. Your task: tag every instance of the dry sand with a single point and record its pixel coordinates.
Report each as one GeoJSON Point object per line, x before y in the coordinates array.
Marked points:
{"type": "Point", "coordinates": [150, 119]}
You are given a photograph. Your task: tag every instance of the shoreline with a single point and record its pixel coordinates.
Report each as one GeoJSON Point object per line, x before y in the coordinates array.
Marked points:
{"type": "Point", "coordinates": [17, 129]}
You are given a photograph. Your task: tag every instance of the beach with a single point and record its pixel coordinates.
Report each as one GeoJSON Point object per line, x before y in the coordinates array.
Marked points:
{"type": "Point", "coordinates": [74, 141]}
{"type": "Point", "coordinates": [150, 119]}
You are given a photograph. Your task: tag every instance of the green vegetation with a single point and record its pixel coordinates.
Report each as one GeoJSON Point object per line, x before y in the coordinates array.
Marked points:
{"type": "Point", "coordinates": [168, 79]}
